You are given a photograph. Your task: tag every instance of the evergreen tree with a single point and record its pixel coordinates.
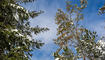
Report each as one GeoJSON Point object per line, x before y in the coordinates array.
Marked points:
{"type": "Point", "coordinates": [16, 42]}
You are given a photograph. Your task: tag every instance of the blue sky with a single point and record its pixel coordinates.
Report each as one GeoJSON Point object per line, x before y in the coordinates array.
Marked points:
{"type": "Point", "coordinates": [92, 21]}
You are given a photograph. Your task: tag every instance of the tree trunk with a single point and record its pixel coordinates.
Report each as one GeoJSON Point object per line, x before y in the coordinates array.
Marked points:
{"type": "Point", "coordinates": [84, 58]}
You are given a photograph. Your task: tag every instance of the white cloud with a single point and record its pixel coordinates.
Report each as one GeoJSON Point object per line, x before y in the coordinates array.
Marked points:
{"type": "Point", "coordinates": [46, 20]}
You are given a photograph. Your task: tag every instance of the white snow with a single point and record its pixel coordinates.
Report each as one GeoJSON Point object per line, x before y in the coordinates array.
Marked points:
{"type": "Point", "coordinates": [57, 59]}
